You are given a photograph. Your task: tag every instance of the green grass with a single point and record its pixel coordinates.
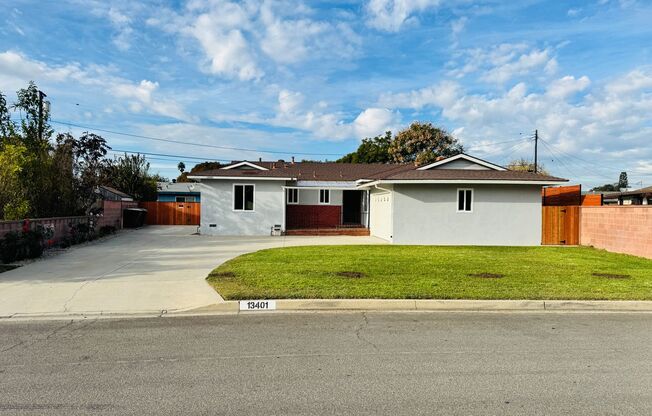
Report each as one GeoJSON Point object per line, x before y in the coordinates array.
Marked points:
{"type": "Point", "coordinates": [427, 272]}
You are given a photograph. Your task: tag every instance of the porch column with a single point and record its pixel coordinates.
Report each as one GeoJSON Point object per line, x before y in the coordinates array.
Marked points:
{"type": "Point", "coordinates": [285, 199]}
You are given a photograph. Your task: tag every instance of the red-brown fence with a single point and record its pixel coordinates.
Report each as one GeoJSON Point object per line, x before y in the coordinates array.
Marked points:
{"type": "Point", "coordinates": [172, 213]}
{"type": "Point", "coordinates": [568, 195]}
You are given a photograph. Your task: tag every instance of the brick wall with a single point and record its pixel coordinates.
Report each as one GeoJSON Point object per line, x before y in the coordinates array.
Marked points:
{"type": "Point", "coordinates": [112, 216]}
{"type": "Point", "coordinates": [313, 216]}
{"type": "Point", "coordinates": [622, 229]}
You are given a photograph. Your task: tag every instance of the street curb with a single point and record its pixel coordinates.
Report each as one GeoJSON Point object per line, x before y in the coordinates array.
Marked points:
{"type": "Point", "coordinates": [438, 305]}
{"type": "Point", "coordinates": [369, 305]}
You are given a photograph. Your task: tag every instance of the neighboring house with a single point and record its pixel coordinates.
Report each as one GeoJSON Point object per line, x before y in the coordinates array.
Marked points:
{"type": "Point", "coordinates": [459, 200]}
{"type": "Point", "coordinates": [641, 196]}
{"type": "Point", "coordinates": [108, 193]}
{"type": "Point", "coordinates": [178, 192]}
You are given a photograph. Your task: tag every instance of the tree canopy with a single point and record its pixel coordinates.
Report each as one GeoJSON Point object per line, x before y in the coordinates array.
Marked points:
{"type": "Point", "coordinates": [371, 150]}
{"type": "Point", "coordinates": [421, 143]}
{"type": "Point", "coordinates": [45, 177]}
{"type": "Point", "coordinates": [525, 165]}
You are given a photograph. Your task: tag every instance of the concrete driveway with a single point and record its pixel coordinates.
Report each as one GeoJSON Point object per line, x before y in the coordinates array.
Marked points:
{"type": "Point", "coordinates": [154, 269]}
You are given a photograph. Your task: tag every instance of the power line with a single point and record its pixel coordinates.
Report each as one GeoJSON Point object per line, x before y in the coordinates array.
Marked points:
{"type": "Point", "coordinates": [555, 156]}
{"type": "Point", "coordinates": [169, 155]}
{"type": "Point", "coordinates": [241, 149]}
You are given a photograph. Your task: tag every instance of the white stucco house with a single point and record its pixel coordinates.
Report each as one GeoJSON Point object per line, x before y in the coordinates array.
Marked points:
{"type": "Point", "coordinates": [461, 200]}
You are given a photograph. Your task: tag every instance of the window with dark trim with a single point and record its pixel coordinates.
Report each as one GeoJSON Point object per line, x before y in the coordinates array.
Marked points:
{"type": "Point", "coordinates": [293, 196]}
{"type": "Point", "coordinates": [465, 200]}
{"type": "Point", "coordinates": [243, 197]}
{"type": "Point", "coordinates": [324, 196]}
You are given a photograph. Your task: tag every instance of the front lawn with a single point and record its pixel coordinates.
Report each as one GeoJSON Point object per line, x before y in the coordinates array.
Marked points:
{"type": "Point", "coordinates": [427, 272]}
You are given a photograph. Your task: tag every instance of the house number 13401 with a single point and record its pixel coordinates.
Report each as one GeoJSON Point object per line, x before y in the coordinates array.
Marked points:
{"type": "Point", "coordinates": [257, 305]}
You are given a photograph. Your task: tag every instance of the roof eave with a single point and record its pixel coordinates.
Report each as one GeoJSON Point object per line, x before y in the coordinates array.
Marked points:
{"type": "Point", "coordinates": [470, 181]}
{"type": "Point", "coordinates": [242, 178]}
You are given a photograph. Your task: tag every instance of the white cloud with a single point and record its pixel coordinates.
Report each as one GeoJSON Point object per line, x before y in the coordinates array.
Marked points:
{"type": "Point", "coordinates": [568, 85]}
{"type": "Point", "coordinates": [391, 15]}
{"type": "Point", "coordinates": [523, 65]}
{"type": "Point", "coordinates": [503, 62]}
{"type": "Point", "coordinates": [328, 125]}
{"type": "Point", "coordinates": [236, 37]}
{"type": "Point", "coordinates": [374, 121]}
{"type": "Point", "coordinates": [290, 40]}
{"type": "Point", "coordinates": [118, 14]}
{"type": "Point", "coordinates": [614, 116]}
{"type": "Point", "coordinates": [574, 12]}
{"type": "Point", "coordinates": [457, 26]}
{"type": "Point", "coordinates": [16, 70]}
{"type": "Point", "coordinates": [224, 44]}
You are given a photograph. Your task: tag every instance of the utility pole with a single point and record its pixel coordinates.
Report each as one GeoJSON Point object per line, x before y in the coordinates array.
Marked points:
{"type": "Point", "coordinates": [41, 95]}
{"type": "Point", "coordinates": [536, 150]}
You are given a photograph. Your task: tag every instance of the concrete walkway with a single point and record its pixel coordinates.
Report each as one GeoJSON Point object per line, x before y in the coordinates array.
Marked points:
{"type": "Point", "coordinates": [154, 269]}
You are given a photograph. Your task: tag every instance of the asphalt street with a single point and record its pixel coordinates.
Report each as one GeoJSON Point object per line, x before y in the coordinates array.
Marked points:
{"type": "Point", "coordinates": [331, 364]}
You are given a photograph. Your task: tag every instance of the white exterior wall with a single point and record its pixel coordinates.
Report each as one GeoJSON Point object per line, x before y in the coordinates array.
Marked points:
{"type": "Point", "coordinates": [380, 211]}
{"type": "Point", "coordinates": [311, 196]}
{"type": "Point", "coordinates": [217, 208]}
{"type": "Point", "coordinates": [505, 215]}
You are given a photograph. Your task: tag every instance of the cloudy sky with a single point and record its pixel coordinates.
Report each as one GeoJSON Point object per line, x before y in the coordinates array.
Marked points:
{"type": "Point", "coordinates": [272, 79]}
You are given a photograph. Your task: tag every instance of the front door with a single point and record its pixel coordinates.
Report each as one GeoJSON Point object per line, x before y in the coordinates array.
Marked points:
{"type": "Point", "coordinates": [352, 207]}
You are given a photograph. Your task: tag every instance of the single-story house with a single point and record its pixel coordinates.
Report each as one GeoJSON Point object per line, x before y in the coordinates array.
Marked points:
{"type": "Point", "coordinates": [177, 192]}
{"type": "Point", "coordinates": [641, 196]}
{"type": "Point", "coordinates": [458, 200]}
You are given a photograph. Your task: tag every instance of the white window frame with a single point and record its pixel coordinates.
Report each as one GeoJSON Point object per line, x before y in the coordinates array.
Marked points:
{"type": "Point", "coordinates": [290, 190]}
{"type": "Point", "coordinates": [329, 196]}
{"type": "Point", "coordinates": [243, 196]}
{"type": "Point", "coordinates": [457, 200]}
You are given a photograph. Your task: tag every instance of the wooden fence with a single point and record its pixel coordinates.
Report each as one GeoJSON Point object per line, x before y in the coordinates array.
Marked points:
{"type": "Point", "coordinates": [560, 225]}
{"type": "Point", "coordinates": [172, 213]}
{"type": "Point", "coordinates": [569, 195]}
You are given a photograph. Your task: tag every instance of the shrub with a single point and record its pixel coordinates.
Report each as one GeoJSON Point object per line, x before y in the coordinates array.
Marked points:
{"type": "Point", "coordinates": [12, 248]}
{"type": "Point", "coordinates": [106, 230]}
{"type": "Point", "coordinates": [18, 246]}
{"type": "Point", "coordinates": [33, 240]}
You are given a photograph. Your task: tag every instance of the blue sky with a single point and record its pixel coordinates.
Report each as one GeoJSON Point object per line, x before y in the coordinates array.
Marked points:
{"type": "Point", "coordinates": [311, 79]}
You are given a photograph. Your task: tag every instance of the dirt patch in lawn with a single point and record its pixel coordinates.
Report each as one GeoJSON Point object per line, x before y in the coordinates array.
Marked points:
{"type": "Point", "coordinates": [351, 275]}
{"type": "Point", "coordinates": [486, 275]}
{"type": "Point", "coordinates": [611, 275]}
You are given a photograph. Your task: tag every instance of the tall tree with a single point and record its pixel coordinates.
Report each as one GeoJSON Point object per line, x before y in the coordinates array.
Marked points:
{"type": "Point", "coordinates": [14, 204]}
{"type": "Point", "coordinates": [371, 150]}
{"type": "Point", "coordinates": [130, 174]}
{"type": "Point", "coordinates": [623, 183]}
{"type": "Point", "coordinates": [423, 143]}
{"type": "Point", "coordinates": [7, 127]}
{"type": "Point", "coordinates": [181, 166]}
{"type": "Point", "coordinates": [87, 155]}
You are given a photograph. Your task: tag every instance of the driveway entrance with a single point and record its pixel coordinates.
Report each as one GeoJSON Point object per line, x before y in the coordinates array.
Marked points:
{"type": "Point", "coordinates": [152, 269]}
